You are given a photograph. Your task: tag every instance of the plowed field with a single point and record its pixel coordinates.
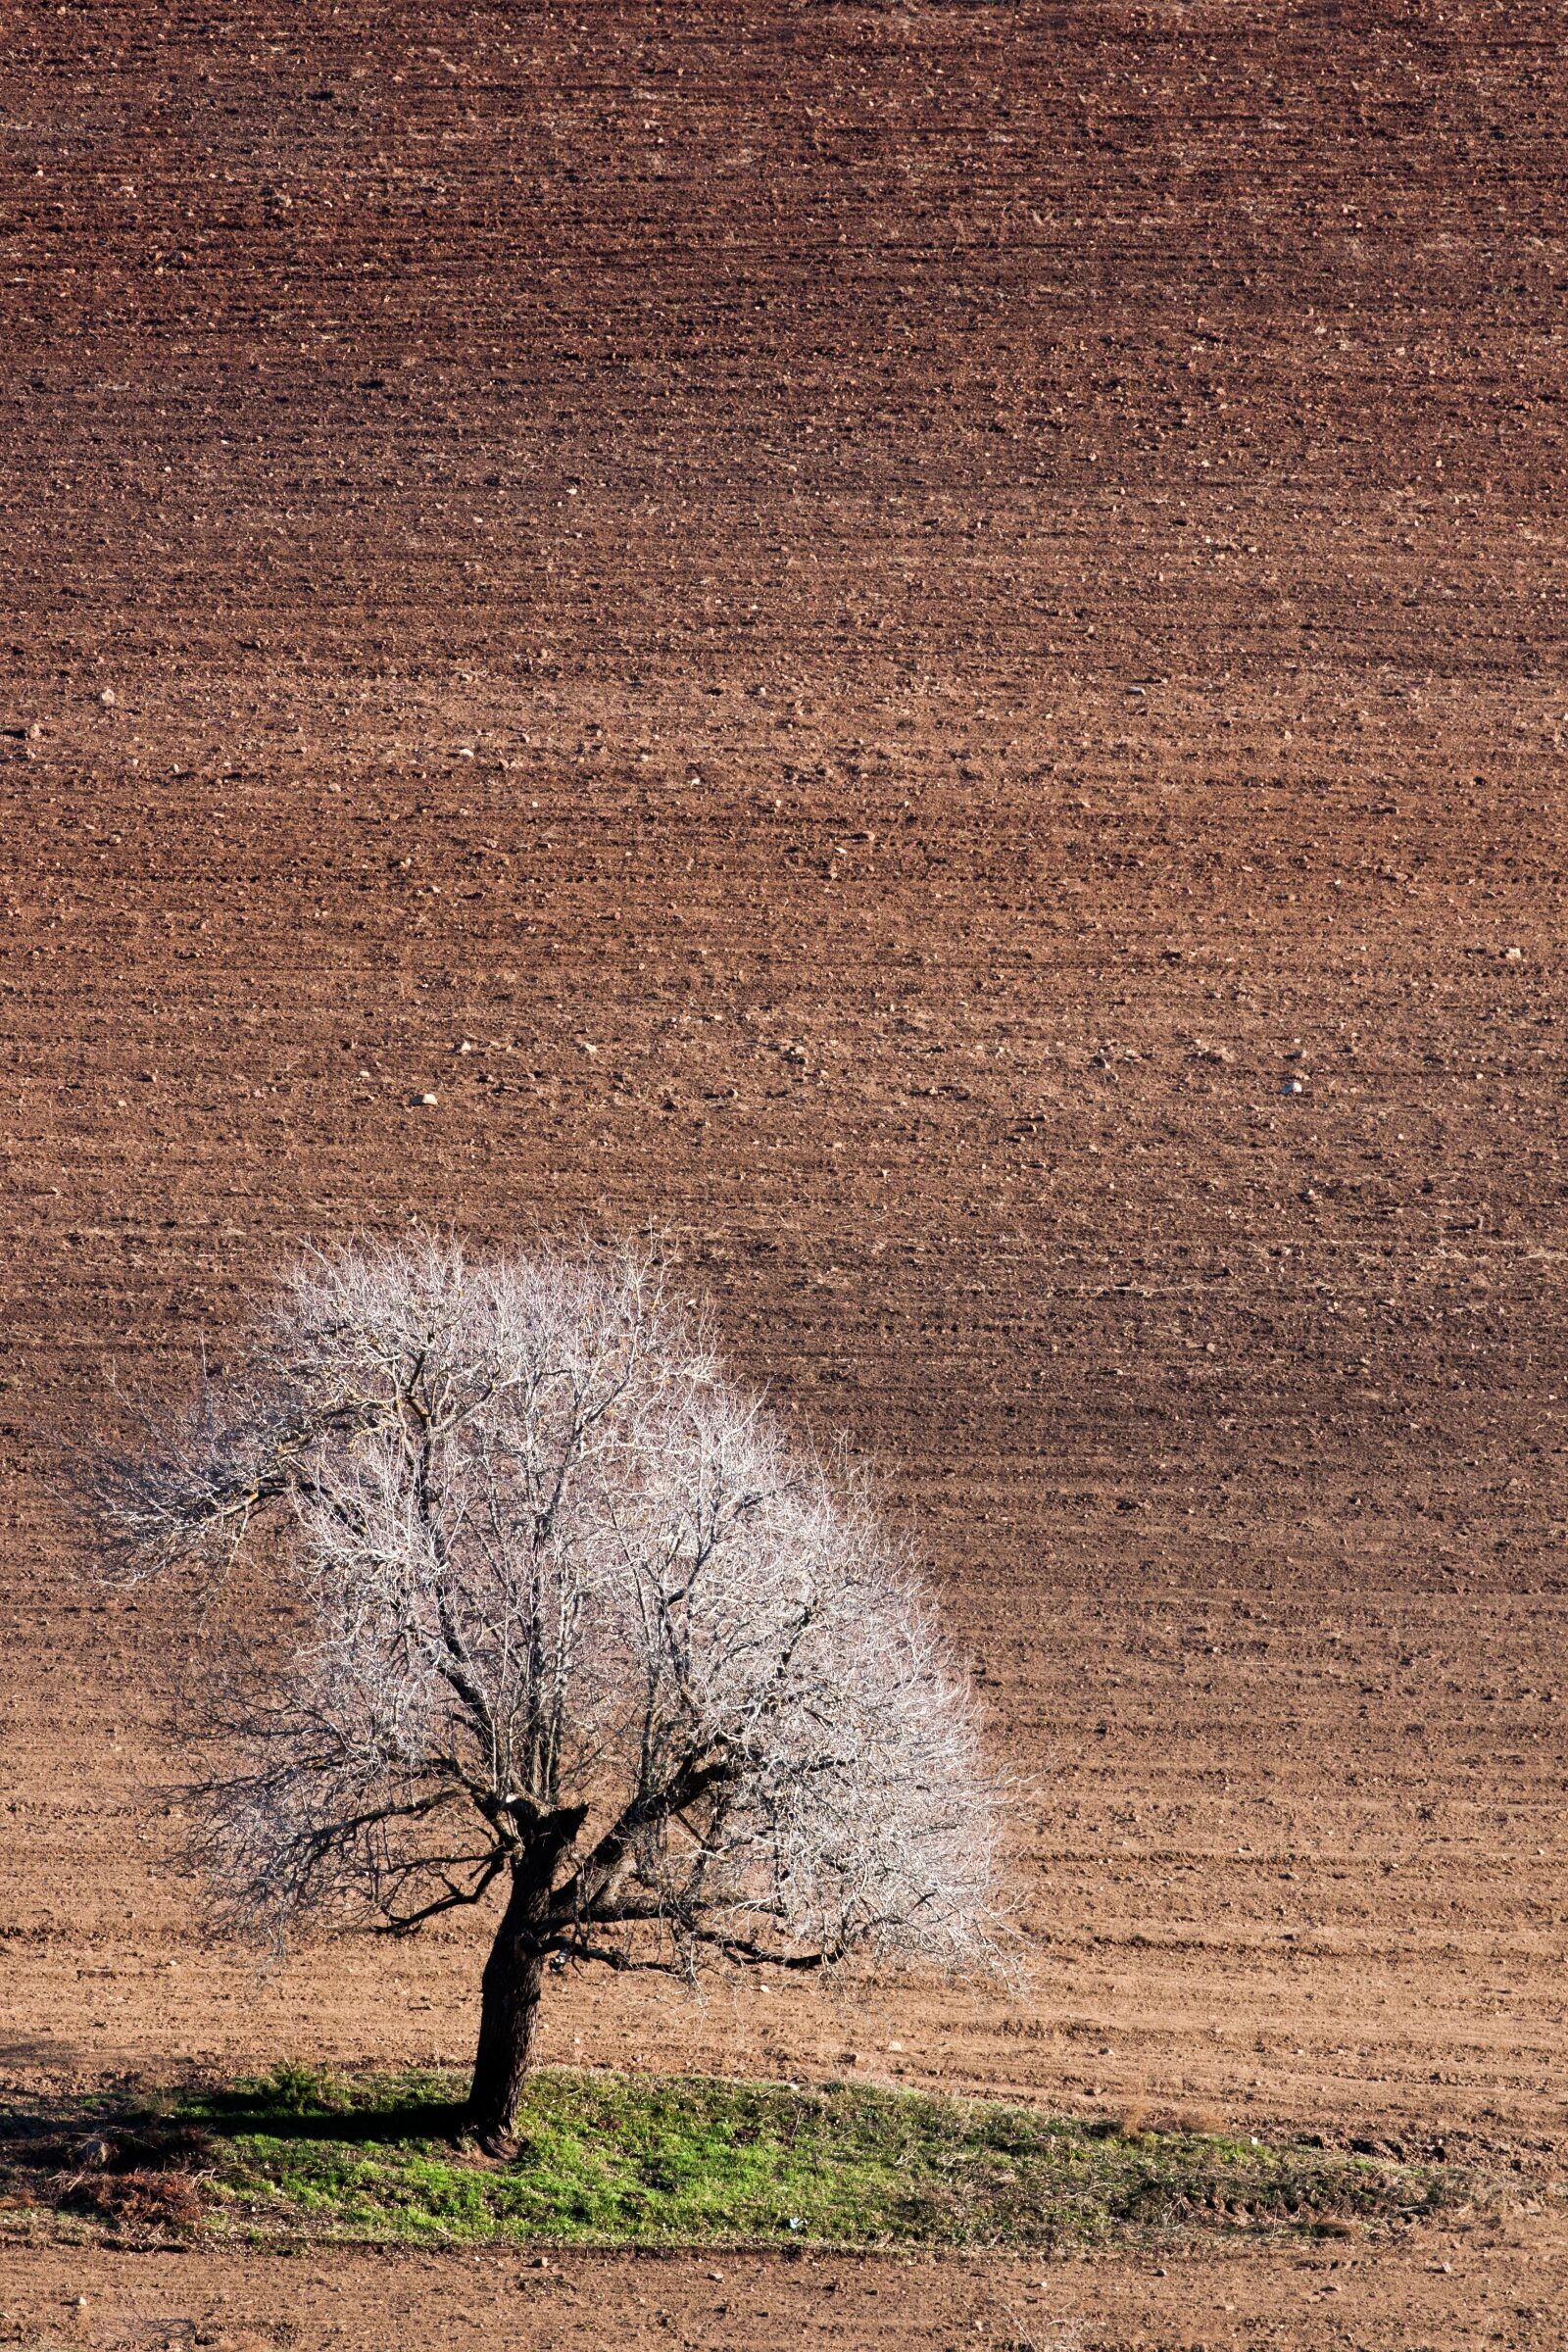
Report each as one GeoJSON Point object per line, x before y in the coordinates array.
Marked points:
{"type": "Point", "coordinates": [938, 635]}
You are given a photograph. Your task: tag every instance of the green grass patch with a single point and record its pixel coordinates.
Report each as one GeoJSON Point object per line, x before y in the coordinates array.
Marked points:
{"type": "Point", "coordinates": [606, 2159]}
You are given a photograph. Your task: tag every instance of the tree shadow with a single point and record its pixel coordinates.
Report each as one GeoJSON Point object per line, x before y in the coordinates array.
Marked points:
{"type": "Point", "coordinates": [104, 2156]}
{"type": "Point", "coordinates": [133, 2158]}
{"type": "Point", "coordinates": [241, 2112]}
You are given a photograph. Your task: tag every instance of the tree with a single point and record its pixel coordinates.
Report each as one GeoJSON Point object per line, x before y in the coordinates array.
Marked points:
{"type": "Point", "coordinates": [564, 1615]}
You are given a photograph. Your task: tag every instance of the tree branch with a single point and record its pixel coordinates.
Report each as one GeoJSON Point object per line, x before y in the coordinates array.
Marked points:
{"type": "Point", "coordinates": [406, 1922]}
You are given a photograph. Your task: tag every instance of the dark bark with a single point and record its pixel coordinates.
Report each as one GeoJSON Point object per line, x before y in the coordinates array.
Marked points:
{"type": "Point", "coordinates": [509, 2005]}
{"type": "Point", "coordinates": [509, 1992]}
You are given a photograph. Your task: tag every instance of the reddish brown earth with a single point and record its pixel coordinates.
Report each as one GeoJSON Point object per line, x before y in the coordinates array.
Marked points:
{"type": "Point", "coordinates": [901, 617]}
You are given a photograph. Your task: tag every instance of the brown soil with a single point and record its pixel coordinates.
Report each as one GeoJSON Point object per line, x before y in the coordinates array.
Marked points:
{"type": "Point", "coordinates": [904, 618]}
{"type": "Point", "coordinates": [1505, 2290]}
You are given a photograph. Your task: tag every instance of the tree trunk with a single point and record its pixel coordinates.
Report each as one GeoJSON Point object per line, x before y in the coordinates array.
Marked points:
{"type": "Point", "coordinates": [509, 2003]}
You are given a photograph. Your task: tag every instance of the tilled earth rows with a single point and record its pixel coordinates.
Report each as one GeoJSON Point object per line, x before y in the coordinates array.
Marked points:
{"type": "Point", "coordinates": [939, 636]}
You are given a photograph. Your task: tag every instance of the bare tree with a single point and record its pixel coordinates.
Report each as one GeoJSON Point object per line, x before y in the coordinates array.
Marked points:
{"type": "Point", "coordinates": [569, 1618]}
